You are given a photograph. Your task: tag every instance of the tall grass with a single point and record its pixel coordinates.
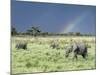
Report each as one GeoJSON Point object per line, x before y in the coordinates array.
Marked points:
{"type": "Point", "coordinates": [41, 58]}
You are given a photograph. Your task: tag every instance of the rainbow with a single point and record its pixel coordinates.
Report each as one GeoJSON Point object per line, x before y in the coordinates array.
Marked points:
{"type": "Point", "coordinates": [69, 26]}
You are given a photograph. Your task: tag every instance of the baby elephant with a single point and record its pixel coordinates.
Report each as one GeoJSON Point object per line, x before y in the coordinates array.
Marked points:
{"type": "Point", "coordinates": [21, 46]}
{"type": "Point", "coordinates": [77, 49]}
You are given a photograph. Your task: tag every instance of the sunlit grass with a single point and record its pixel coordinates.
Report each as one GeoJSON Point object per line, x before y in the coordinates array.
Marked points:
{"type": "Point", "coordinates": [41, 58]}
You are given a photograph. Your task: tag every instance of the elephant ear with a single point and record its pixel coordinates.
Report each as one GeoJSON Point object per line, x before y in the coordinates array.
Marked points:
{"type": "Point", "coordinates": [71, 48]}
{"type": "Point", "coordinates": [74, 46]}
{"type": "Point", "coordinates": [67, 51]}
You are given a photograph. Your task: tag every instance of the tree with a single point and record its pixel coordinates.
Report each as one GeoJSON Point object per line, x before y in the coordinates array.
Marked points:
{"type": "Point", "coordinates": [13, 31]}
{"type": "Point", "coordinates": [77, 34]}
{"type": "Point", "coordinates": [33, 31]}
{"type": "Point", "coordinates": [70, 33]}
{"type": "Point", "coordinates": [29, 32]}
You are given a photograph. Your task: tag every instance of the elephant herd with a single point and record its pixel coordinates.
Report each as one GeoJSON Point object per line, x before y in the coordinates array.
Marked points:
{"type": "Point", "coordinates": [77, 48]}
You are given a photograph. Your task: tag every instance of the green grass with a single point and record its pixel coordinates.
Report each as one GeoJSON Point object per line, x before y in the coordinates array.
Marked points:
{"type": "Point", "coordinates": [41, 58]}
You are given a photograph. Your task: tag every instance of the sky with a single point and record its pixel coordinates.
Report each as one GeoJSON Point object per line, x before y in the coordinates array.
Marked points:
{"type": "Point", "coordinates": [53, 17]}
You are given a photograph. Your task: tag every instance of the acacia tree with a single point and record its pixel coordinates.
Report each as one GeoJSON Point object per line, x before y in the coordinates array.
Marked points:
{"type": "Point", "coordinates": [78, 33]}
{"type": "Point", "coordinates": [13, 31]}
{"type": "Point", "coordinates": [33, 31]}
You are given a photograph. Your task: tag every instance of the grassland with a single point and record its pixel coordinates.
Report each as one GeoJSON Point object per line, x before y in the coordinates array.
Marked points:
{"type": "Point", "coordinates": [41, 58]}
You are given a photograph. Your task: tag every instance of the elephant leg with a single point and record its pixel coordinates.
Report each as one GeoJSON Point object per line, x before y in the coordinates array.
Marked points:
{"type": "Point", "coordinates": [75, 56]}
{"type": "Point", "coordinates": [84, 56]}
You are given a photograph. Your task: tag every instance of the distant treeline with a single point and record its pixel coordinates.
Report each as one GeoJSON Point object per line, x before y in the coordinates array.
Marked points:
{"type": "Point", "coordinates": [35, 31]}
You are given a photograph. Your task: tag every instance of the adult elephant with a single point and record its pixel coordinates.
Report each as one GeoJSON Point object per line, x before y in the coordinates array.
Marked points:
{"type": "Point", "coordinates": [77, 49]}
{"type": "Point", "coordinates": [21, 46]}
